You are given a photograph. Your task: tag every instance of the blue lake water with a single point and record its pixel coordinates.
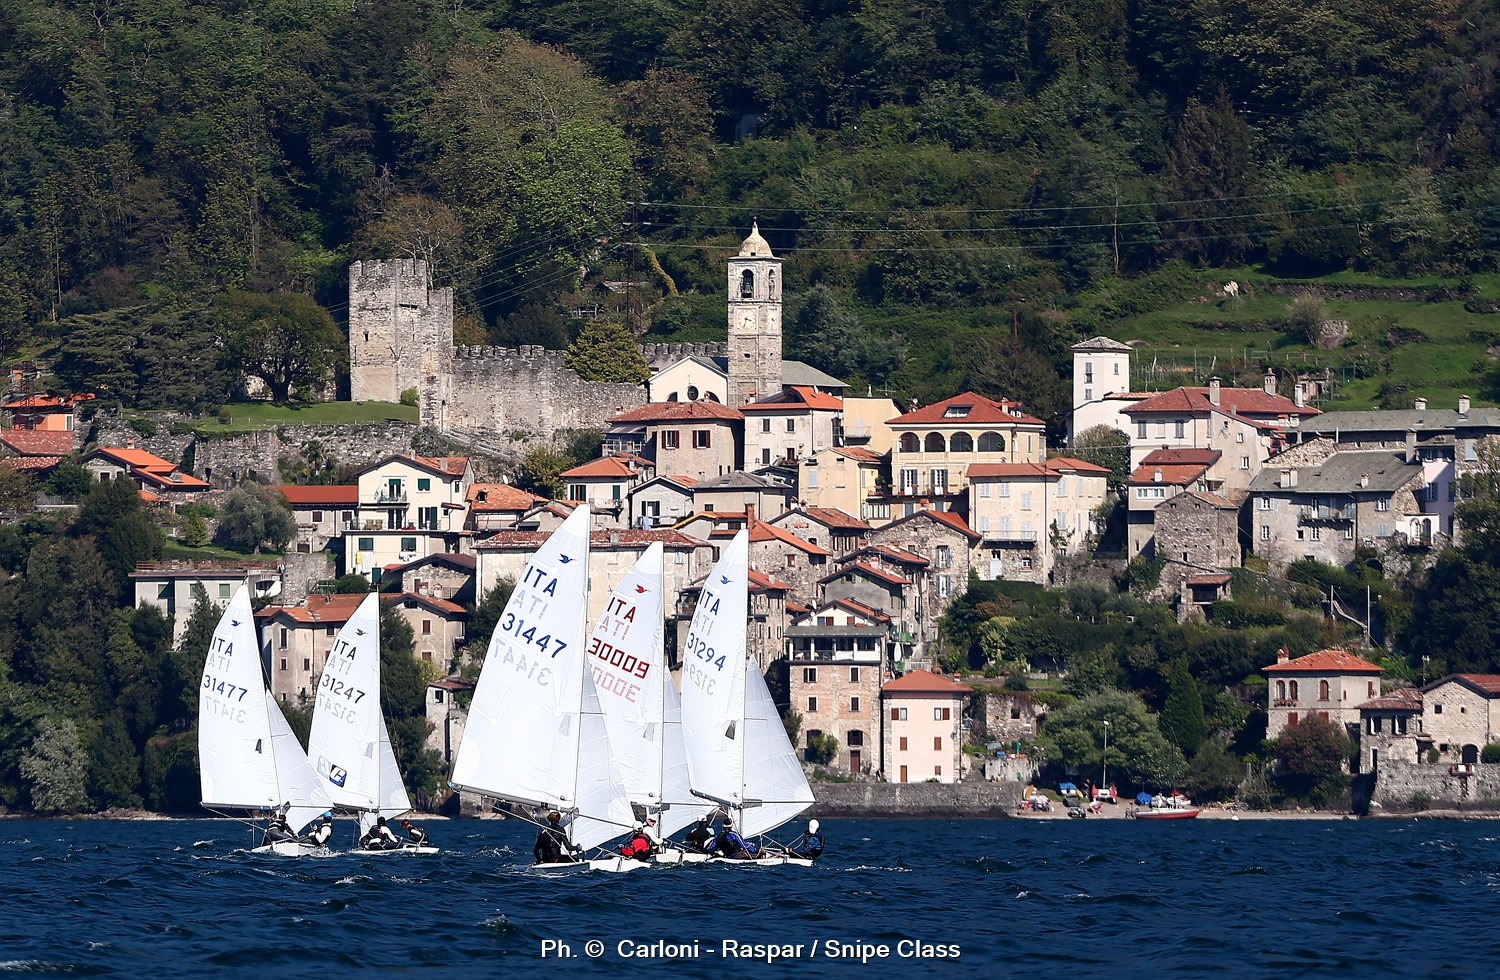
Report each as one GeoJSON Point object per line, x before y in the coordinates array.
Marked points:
{"type": "Point", "coordinates": [1014, 897]}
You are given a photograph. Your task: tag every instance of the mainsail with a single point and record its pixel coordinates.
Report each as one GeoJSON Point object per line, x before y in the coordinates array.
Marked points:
{"type": "Point", "coordinates": [536, 735]}
{"type": "Point", "coordinates": [627, 662]}
{"type": "Point", "coordinates": [248, 756]}
{"type": "Point", "coordinates": [350, 747]}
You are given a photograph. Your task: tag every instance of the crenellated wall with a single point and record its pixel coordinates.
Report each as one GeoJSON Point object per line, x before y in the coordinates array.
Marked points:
{"type": "Point", "coordinates": [519, 394]}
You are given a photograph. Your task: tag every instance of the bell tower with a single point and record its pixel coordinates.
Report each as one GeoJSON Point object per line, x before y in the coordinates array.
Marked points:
{"type": "Point", "coordinates": [754, 322]}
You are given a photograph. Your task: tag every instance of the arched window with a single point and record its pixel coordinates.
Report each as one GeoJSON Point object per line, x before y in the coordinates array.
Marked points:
{"type": "Point", "coordinates": [710, 396]}
{"type": "Point", "coordinates": [991, 442]}
{"type": "Point", "coordinates": [961, 442]}
{"type": "Point", "coordinates": [1292, 686]}
{"type": "Point", "coordinates": [935, 443]}
{"type": "Point", "coordinates": [1281, 690]}
{"type": "Point", "coordinates": [747, 285]}
{"type": "Point", "coordinates": [910, 443]}
{"type": "Point", "coordinates": [672, 397]}
{"type": "Point", "coordinates": [1322, 690]}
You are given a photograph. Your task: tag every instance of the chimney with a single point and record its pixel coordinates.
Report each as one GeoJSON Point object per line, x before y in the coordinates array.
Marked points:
{"type": "Point", "coordinates": [1283, 655]}
{"type": "Point", "coordinates": [1420, 404]}
{"type": "Point", "coordinates": [1299, 395]}
{"type": "Point", "coordinates": [1288, 478]}
{"type": "Point", "coordinates": [1364, 481]}
{"type": "Point", "coordinates": [1269, 384]}
{"type": "Point", "coordinates": [1213, 392]}
{"type": "Point", "coordinates": [1463, 405]}
{"type": "Point", "coordinates": [749, 515]}
{"type": "Point", "coordinates": [129, 443]}
{"type": "Point", "coordinates": [1411, 444]}
{"type": "Point", "coordinates": [614, 539]}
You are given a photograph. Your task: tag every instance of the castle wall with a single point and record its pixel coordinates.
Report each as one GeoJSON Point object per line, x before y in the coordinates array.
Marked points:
{"type": "Point", "coordinates": [226, 460]}
{"type": "Point", "coordinates": [400, 331]}
{"type": "Point", "coordinates": [517, 395]}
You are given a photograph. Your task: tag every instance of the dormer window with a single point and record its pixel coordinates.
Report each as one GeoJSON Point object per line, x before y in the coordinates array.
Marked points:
{"type": "Point", "coordinates": [747, 285]}
{"type": "Point", "coordinates": [957, 411]}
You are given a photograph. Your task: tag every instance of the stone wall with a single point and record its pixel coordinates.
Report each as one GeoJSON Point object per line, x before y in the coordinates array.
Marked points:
{"type": "Point", "coordinates": [968, 799]}
{"type": "Point", "coordinates": [226, 460]}
{"type": "Point", "coordinates": [115, 432]}
{"type": "Point", "coordinates": [1406, 788]}
{"type": "Point", "coordinates": [518, 395]}
{"type": "Point", "coordinates": [659, 356]}
{"type": "Point", "coordinates": [301, 573]}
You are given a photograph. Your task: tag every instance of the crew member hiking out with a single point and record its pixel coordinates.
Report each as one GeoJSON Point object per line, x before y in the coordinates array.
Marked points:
{"type": "Point", "coordinates": [552, 845]}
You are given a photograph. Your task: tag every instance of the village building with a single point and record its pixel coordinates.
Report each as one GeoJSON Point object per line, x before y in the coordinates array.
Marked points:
{"type": "Point", "coordinates": [936, 446]}
{"type": "Point", "coordinates": [1331, 684]}
{"type": "Point", "coordinates": [409, 507]}
{"type": "Point", "coordinates": [36, 451]}
{"type": "Point", "coordinates": [547, 516]}
{"type": "Point", "coordinates": [44, 413]}
{"type": "Point", "coordinates": [447, 716]}
{"type": "Point", "coordinates": [1101, 386]}
{"type": "Point", "coordinates": [295, 641]}
{"type": "Point", "coordinates": [1390, 730]}
{"type": "Point", "coordinates": [790, 425]}
{"type": "Point", "coordinates": [792, 559]}
{"type": "Point", "coordinates": [440, 576]}
{"type": "Point", "coordinates": [887, 579]}
{"type": "Point", "coordinates": [438, 626]}
{"type": "Point", "coordinates": [661, 501]}
{"type": "Point", "coordinates": [698, 439]}
{"type": "Point", "coordinates": [605, 485]}
{"type": "Point", "coordinates": [845, 478]}
{"type": "Point", "coordinates": [1162, 475]}
{"type": "Point", "coordinates": [947, 542]}
{"type": "Point", "coordinates": [1461, 715]}
{"type": "Point", "coordinates": [495, 506]}
{"type": "Point", "coordinates": [1198, 538]}
{"type": "Point", "coordinates": [835, 674]}
{"type": "Point", "coordinates": [323, 513]}
{"type": "Point", "coordinates": [154, 475]}
{"type": "Point", "coordinates": [171, 586]}
{"type": "Point", "coordinates": [866, 424]}
{"type": "Point", "coordinates": [741, 493]}
{"type": "Point", "coordinates": [1029, 514]}
{"type": "Point", "coordinates": [769, 613]}
{"type": "Point", "coordinates": [827, 527]}
{"type": "Point", "coordinates": [922, 730]}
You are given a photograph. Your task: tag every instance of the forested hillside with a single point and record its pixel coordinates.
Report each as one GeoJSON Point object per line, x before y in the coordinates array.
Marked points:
{"type": "Point", "coordinates": [974, 185]}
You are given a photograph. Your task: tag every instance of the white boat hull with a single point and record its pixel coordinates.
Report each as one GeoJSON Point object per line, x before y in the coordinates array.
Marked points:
{"type": "Point", "coordinates": [763, 862]}
{"type": "Point", "coordinates": [286, 848]}
{"type": "Point", "coordinates": [557, 866]}
{"type": "Point", "coordinates": [673, 856]}
{"type": "Point", "coordinates": [427, 849]}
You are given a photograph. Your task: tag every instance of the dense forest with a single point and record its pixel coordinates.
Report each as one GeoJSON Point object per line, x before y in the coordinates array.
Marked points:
{"type": "Point", "coordinates": [1000, 172]}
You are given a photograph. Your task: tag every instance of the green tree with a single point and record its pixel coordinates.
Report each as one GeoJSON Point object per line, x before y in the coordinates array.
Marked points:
{"type": "Point", "coordinates": [1104, 445]}
{"type": "Point", "coordinates": [285, 339]}
{"type": "Point", "coordinates": [56, 768]}
{"type": "Point", "coordinates": [195, 531]}
{"type": "Point", "coordinates": [187, 661]}
{"type": "Point", "coordinates": [17, 489]}
{"type": "Point", "coordinates": [1206, 183]}
{"type": "Point", "coordinates": [541, 471]}
{"type": "Point", "coordinates": [403, 698]}
{"type": "Point", "coordinates": [171, 773]}
{"type": "Point", "coordinates": [1138, 754]}
{"type": "Point", "coordinates": [69, 481]}
{"type": "Point", "coordinates": [252, 516]}
{"type": "Point", "coordinates": [606, 351]}
{"type": "Point", "coordinates": [114, 767]}
{"type": "Point", "coordinates": [485, 615]}
{"type": "Point", "coordinates": [1311, 756]}
{"type": "Point", "coordinates": [351, 583]}
{"type": "Point", "coordinates": [1214, 772]}
{"type": "Point", "coordinates": [1182, 715]}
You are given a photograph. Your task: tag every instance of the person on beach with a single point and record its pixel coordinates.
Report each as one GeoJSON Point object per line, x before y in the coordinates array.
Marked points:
{"type": "Point", "coordinates": [415, 836]}
{"type": "Point", "coordinates": [552, 845]}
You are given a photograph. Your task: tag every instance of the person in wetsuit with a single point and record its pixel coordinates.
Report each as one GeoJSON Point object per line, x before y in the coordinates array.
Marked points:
{"type": "Point", "coordinates": [552, 845]}
{"type": "Point", "coordinates": [700, 836]}
{"type": "Point", "coordinates": [320, 835]}
{"type": "Point", "coordinates": [278, 830]}
{"type": "Point", "coordinates": [728, 844]}
{"type": "Point", "coordinates": [415, 835]}
{"type": "Point", "coordinates": [811, 845]}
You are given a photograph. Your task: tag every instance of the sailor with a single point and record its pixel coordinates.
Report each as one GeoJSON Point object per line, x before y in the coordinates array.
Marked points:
{"type": "Point", "coordinates": [278, 830]}
{"type": "Point", "coordinates": [552, 845]}
{"type": "Point", "coordinates": [700, 836]}
{"type": "Point", "coordinates": [415, 835]}
{"type": "Point", "coordinates": [638, 845]}
{"type": "Point", "coordinates": [812, 843]}
{"type": "Point", "coordinates": [379, 837]}
{"type": "Point", "coordinates": [728, 844]}
{"type": "Point", "coordinates": [322, 833]}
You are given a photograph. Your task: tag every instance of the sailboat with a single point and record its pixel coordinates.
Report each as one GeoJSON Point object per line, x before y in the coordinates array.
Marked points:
{"type": "Point", "coordinates": [536, 736]}
{"type": "Point", "coordinates": [642, 712]}
{"type": "Point", "coordinates": [350, 748]}
{"type": "Point", "coordinates": [738, 752]}
{"type": "Point", "coordinates": [248, 757]}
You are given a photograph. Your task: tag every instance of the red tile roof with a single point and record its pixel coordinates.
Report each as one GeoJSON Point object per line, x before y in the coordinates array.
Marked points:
{"type": "Point", "coordinates": [1208, 580]}
{"type": "Point", "coordinates": [169, 478]}
{"type": "Point", "coordinates": [1223, 503]}
{"type": "Point", "coordinates": [860, 609]}
{"type": "Point", "coordinates": [1325, 662]}
{"type": "Point", "coordinates": [761, 532]}
{"type": "Point", "coordinates": [598, 540]}
{"type": "Point", "coordinates": [316, 610]}
{"type": "Point", "coordinates": [1057, 466]}
{"type": "Point", "coordinates": [607, 467]}
{"type": "Point", "coordinates": [489, 497]}
{"type": "Point", "coordinates": [1237, 401]}
{"type": "Point", "coordinates": [1171, 476]}
{"type": "Point", "coordinates": [796, 398]}
{"type": "Point", "coordinates": [435, 604]}
{"type": "Point", "coordinates": [1401, 699]}
{"type": "Point", "coordinates": [874, 571]}
{"type": "Point", "coordinates": [981, 411]}
{"type": "Point", "coordinates": [942, 517]}
{"type": "Point", "coordinates": [679, 412]}
{"type": "Point", "coordinates": [132, 457]}
{"type": "Point", "coordinates": [858, 454]}
{"type": "Point", "coordinates": [37, 442]}
{"type": "Point", "coordinates": [46, 401]}
{"type": "Point", "coordinates": [31, 464]}
{"type": "Point", "coordinates": [925, 682]}
{"type": "Point", "coordinates": [452, 465]}
{"type": "Point", "coordinates": [1164, 455]}
{"type": "Point", "coordinates": [761, 582]}
{"type": "Point", "coordinates": [1486, 684]}
{"type": "Point", "coordinates": [311, 496]}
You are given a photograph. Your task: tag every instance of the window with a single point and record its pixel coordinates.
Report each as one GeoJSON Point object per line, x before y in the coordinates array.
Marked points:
{"type": "Point", "coordinates": [702, 438]}
{"type": "Point", "coordinates": [809, 675]}
{"type": "Point", "coordinates": [223, 590]}
{"type": "Point", "coordinates": [791, 425]}
{"type": "Point", "coordinates": [903, 743]}
{"type": "Point", "coordinates": [942, 714]}
{"type": "Point", "coordinates": [1301, 534]}
{"type": "Point", "coordinates": [671, 439]}
{"type": "Point", "coordinates": [1322, 690]}
{"type": "Point", "coordinates": [1005, 489]}
{"type": "Point", "coordinates": [317, 517]}
{"type": "Point", "coordinates": [1140, 430]}
{"type": "Point", "coordinates": [939, 479]}
{"type": "Point", "coordinates": [984, 490]}
{"type": "Point", "coordinates": [937, 743]}
{"type": "Point", "coordinates": [1281, 689]}
{"type": "Point", "coordinates": [408, 544]}
{"type": "Point", "coordinates": [306, 664]}
{"type": "Point", "coordinates": [853, 675]}
{"type": "Point", "coordinates": [854, 703]}
{"type": "Point", "coordinates": [1244, 462]}
{"type": "Point", "coordinates": [1088, 394]}
{"type": "Point", "coordinates": [898, 714]}
{"type": "Point", "coordinates": [1026, 501]}
{"type": "Point", "coordinates": [1180, 426]}
{"type": "Point", "coordinates": [1349, 533]}
{"type": "Point", "coordinates": [1292, 689]}
{"type": "Point", "coordinates": [910, 443]}
{"type": "Point", "coordinates": [943, 558]}
{"type": "Point", "coordinates": [935, 443]}
{"type": "Point", "coordinates": [283, 663]}
{"type": "Point", "coordinates": [765, 458]}
{"type": "Point", "coordinates": [328, 630]}
{"type": "Point", "coordinates": [908, 481]}
{"type": "Point", "coordinates": [1062, 486]}
{"type": "Point", "coordinates": [1383, 504]}
{"type": "Point", "coordinates": [283, 637]}
{"type": "Point", "coordinates": [1262, 503]}
{"type": "Point", "coordinates": [1161, 428]}
{"type": "Point", "coordinates": [944, 586]}
{"type": "Point", "coordinates": [855, 738]}
{"type": "Point", "coordinates": [1437, 709]}
{"type": "Point", "coordinates": [937, 770]}
{"type": "Point", "coordinates": [366, 544]}
{"type": "Point", "coordinates": [765, 425]}
{"type": "Point", "coordinates": [991, 442]}
{"type": "Point", "coordinates": [1317, 534]}
{"type": "Point", "coordinates": [426, 627]}
{"type": "Point", "coordinates": [747, 285]}
{"type": "Point", "coordinates": [424, 483]}
{"type": "Point", "coordinates": [812, 704]}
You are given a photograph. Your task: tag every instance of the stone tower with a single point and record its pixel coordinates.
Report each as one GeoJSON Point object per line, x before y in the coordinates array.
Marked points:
{"type": "Point", "coordinates": [754, 322]}
{"type": "Point", "coordinates": [400, 335]}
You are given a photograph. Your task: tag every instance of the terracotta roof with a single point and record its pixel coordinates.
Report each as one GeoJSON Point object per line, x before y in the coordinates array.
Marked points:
{"type": "Point", "coordinates": [1213, 499]}
{"type": "Point", "coordinates": [532, 540]}
{"type": "Point", "coordinates": [874, 571]}
{"type": "Point", "coordinates": [37, 442]}
{"type": "Point", "coordinates": [792, 606]}
{"type": "Point", "coordinates": [760, 532]}
{"type": "Point", "coordinates": [489, 497]}
{"type": "Point", "coordinates": [1237, 401]}
{"type": "Point", "coordinates": [942, 517]}
{"type": "Point", "coordinates": [169, 478]}
{"type": "Point", "coordinates": [1208, 580]}
{"type": "Point", "coordinates": [1072, 464]}
{"type": "Point", "coordinates": [679, 412]}
{"type": "Point", "coordinates": [830, 517]}
{"type": "Point", "coordinates": [452, 465]}
{"type": "Point", "coordinates": [888, 552]}
{"type": "Point", "coordinates": [980, 411]}
{"type": "Point", "coordinates": [1401, 699]}
{"type": "Point", "coordinates": [131, 457]}
{"type": "Point", "coordinates": [796, 398]}
{"type": "Point", "coordinates": [760, 582]}
{"type": "Point", "coordinates": [1164, 455]}
{"type": "Point", "coordinates": [924, 682]}
{"type": "Point", "coordinates": [1326, 662]}
{"type": "Point", "coordinates": [317, 610]}
{"type": "Point", "coordinates": [454, 684]}
{"type": "Point", "coordinates": [464, 563]}
{"type": "Point", "coordinates": [149, 497]}
{"type": "Point", "coordinates": [860, 609]}
{"type": "Point", "coordinates": [28, 464]}
{"type": "Point", "coordinates": [307, 496]}
{"type": "Point", "coordinates": [858, 453]}
{"type": "Point", "coordinates": [1056, 466]}
{"type": "Point", "coordinates": [1486, 684]}
{"type": "Point", "coordinates": [45, 401]}
{"type": "Point", "coordinates": [608, 466]}
{"type": "Point", "coordinates": [1171, 475]}
{"type": "Point", "coordinates": [437, 605]}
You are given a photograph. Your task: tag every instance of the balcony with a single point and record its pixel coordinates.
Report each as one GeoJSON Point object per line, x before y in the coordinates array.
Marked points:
{"type": "Point", "coordinates": [1320, 514]}
{"type": "Point", "coordinates": [1284, 703]}
{"type": "Point", "coordinates": [1010, 537]}
{"type": "Point", "coordinates": [390, 496]}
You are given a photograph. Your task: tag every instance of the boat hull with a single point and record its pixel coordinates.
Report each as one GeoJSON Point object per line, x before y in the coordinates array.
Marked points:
{"type": "Point", "coordinates": [1164, 814]}
{"type": "Point", "coordinates": [287, 848]}
{"type": "Point", "coordinates": [673, 856]}
{"type": "Point", "coordinates": [427, 849]}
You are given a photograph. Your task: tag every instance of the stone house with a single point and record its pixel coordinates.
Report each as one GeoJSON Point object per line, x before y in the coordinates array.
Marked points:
{"type": "Point", "coordinates": [947, 543]}
{"type": "Point", "coordinates": [839, 626]}
{"type": "Point", "coordinates": [1390, 729]}
{"type": "Point", "coordinates": [605, 485]}
{"type": "Point", "coordinates": [1027, 514]}
{"type": "Point", "coordinates": [168, 586]}
{"type": "Point", "coordinates": [1198, 536]}
{"type": "Point", "coordinates": [438, 626]}
{"type": "Point", "coordinates": [1329, 683]}
{"type": "Point", "coordinates": [1326, 510]}
{"type": "Point", "coordinates": [837, 692]}
{"type": "Point", "coordinates": [888, 580]}
{"type": "Point", "coordinates": [1010, 717]}
{"type": "Point", "coordinates": [295, 641]}
{"type": "Point", "coordinates": [150, 472]}
{"type": "Point", "coordinates": [936, 446]}
{"type": "Point", "coordinates": [441, 576]}
{"type": "Point", "coordinates": [844, 478]}
{"type": "Point", "coordinates": [447, 715]}
{"type": "Point", "coordinates": [699, 439]}
{"type": "Point", "coordinates": [790, 425]}
{"type": "Point", "coordinates": [1162, 475]}
{"type": "Point", "coordinates": [741, 493]}
{"type": "Point", "coordinates": [496, 506]}
{"type": "Point", "coordinates": [1461, 715]}
{"type": "Point", "coordinates": [922, 728]}
{"type": "Point", "coordinates": [661, 501]}
{"type": "Point", "coordinates": [794, 560]}
{"type": "Point", "coordinates": [824, 526]}
{"type": "Point", "coordinates": [323, 513]}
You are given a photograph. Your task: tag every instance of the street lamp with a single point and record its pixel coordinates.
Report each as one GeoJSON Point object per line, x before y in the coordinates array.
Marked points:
{"type": "Point", "coordinates": [1104, 760]}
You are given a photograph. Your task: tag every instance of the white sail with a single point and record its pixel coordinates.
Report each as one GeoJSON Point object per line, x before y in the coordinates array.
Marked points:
{"type": "Point", "coordinates": [627, 662]}
{"type": "Point", "coordinates": [713, 679]}
{"type": "Point", "coordinates": [535, 734]}
{"type": "Point", "coordinates": [776, 789]}
{"type": "Point", "coordinates": [349, 747]}
{"type": "Point", "coordinates": [247, 754]}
